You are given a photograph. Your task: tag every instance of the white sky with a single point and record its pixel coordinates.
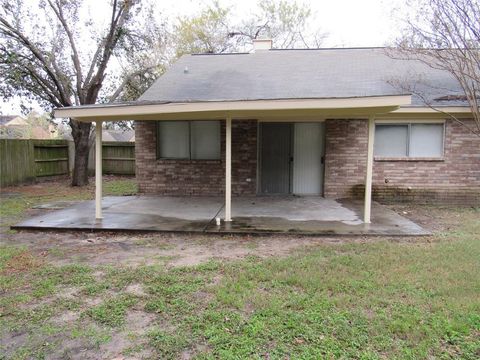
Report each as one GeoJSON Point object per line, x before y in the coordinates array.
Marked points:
{"type": "Point", "coordinates": [348, 23]}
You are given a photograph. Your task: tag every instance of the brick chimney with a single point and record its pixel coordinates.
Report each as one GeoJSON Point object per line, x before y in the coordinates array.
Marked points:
{"type": "Point", "coordinates": [262, 44]}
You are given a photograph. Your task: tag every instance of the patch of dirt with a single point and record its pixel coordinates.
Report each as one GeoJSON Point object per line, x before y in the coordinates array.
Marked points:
{"type": "Point", "coordinates": [67, 293]}
{"type": "Point", "coordinates": [138, 322]}
{"type": "Point", "coordinates": [24, 261]}
{"type": "Point", "coordinates": [78, 348]}
{"type": "Point", "coordinates": [67, 317]}
{"type": "Point", "coordinates": [202, 297]}
{"type": "Point", "coordinates": [136, 289]}
{"type": "Point", "coordinates": [10, 340]}
{"type": "Point", "coordinates": [174, 250]}
{"type": "Point", "coordinates": [141, 249]}
{"type": "Point", "coordinates": [91, 302]}
{"type": "Point", "coordinates": [190, 353]}
{"type": "Point", "coordinates": [432, 218]}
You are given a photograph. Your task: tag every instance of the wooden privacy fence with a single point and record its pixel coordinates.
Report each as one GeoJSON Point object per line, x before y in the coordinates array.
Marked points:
{"type": "Point", "coordinates": [50, 157]}
{"type": "Point", "coordinates": [16, 162]}
{"type": "Point", "coordinates": [22, 161]}
{"type": "Point", "coordinates": [118, 158]}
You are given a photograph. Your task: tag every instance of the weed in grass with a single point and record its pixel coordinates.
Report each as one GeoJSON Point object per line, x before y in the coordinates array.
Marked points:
{"type": "Point", "coordinates": [156, 305]}
{"type": "Point", "coordinates": [112, 311]}
{"type": "Point", "coordinates": [134, 349]}
{"type": "Point", "coordinates": [13, 300]}
{"type": "Point", "coordinates": [96, 288]}
{"type": "Point", "coordinates": [166, 344]}
{"type": "Point", "coordinates": [69, 304]}
{"type": "Point", "coordinates": [92, 333]}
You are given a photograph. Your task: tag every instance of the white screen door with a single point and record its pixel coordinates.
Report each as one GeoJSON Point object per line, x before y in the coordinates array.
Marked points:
{"type": "Point", "coordinates": [308, 153]}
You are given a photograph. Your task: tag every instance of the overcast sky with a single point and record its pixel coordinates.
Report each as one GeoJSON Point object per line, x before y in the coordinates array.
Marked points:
{"type": "Point", "coordinates": [348, 23]}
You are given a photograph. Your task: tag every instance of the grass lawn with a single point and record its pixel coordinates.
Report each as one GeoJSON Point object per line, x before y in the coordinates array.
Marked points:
{"type": "Point", "coordinates": [373, 299]}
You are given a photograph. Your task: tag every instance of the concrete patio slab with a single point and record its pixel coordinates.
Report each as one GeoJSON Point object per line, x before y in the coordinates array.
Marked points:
{"type": "Point", "coordinates": [309, 215]}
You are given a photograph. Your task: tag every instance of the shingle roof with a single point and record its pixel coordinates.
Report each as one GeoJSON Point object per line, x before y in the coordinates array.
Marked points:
{"type": "Point", "coordinates": [294, 74]}
{"type": "Point", "coordinates": [118, 135]}
{"type": "Point", "coordinates": [4, 119]}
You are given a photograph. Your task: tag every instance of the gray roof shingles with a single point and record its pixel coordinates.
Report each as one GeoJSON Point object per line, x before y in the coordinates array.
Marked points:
{"type": "Point", "coordinates": [295, 74]}
{"type": "Point", "coordinates": [4, 119]}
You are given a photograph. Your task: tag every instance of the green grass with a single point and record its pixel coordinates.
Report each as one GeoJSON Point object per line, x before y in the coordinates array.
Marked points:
{"type": "Point", "coordinates": [120, 187]}
{"type": "Point", "coordinates": [382, 299]}
{"type": "Point", "coordinates": [351, 302]}
{"type": "Point", "coordinates": [112, 311]}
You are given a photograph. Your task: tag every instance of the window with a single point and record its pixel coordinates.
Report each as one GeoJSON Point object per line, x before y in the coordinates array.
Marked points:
{"type": "Point", "coordinates": [409, 140]}
{"type": "Point", "coordinates": [197, 140]}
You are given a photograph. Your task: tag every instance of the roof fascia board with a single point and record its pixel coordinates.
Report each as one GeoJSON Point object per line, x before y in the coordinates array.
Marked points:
{"type": "Point", "coordinates": [439, 110]}
{"type": "Point", "coordinates": [357, 113]}
{"type": "Point", "coordinates": [128, 112]}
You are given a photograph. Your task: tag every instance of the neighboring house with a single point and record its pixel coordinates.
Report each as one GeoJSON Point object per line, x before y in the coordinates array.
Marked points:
{"type": "Point", "coordinates": [301, 122]}
{"type": "Point", "coordinates": [118, 135]}
{"type": "Point", "coordinates": [17, 127]}
{"type": "Point", "coordinates": [12, 120]}
{"type": "Point", "coordinates": [107, 135]}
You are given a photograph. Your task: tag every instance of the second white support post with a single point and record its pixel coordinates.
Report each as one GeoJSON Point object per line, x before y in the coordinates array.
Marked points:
{"type": "Point", "coordinates": [228, 169]}
{"type": "Point", "coordinates": [98, 170]}
{"type": "Point", "coordinates": [369, 172]}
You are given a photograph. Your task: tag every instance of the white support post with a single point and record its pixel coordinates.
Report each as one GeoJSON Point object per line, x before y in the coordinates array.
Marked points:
{"type": "Point", "coordinates": [369, 172]}
{"type": "Point", "coordinates": [228, 169]}
{"type": "Point", "coordinates": [98, 170]}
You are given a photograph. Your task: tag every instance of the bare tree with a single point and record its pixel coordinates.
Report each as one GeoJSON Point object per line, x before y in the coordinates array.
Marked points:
{"type": "Point", "coordinates": [286, 22]}
{"type": "Point", "coordinates": [213, 30]}
{"type": "Point", "coordinates": [49, 54]}
{"type": "Point", "coordinates": [445, 35]}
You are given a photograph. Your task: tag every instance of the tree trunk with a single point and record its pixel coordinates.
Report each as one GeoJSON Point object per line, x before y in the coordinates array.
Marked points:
{"type": "Point", "coordinates": [81, 136]}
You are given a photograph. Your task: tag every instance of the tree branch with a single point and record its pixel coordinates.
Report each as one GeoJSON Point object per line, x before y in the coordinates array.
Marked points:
{"type": "Point", "coordinates": [16, 35]}
{"type": "Point", "coordinates": [58, 10]}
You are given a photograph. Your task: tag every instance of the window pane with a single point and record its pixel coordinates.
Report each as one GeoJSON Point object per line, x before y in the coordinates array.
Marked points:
{"type": "Point", "coordinates": [426, 140]}
{"type": "Point", "coordinates": [391, 140]}
{"type": "Point", "coordinates": [205, 139]}
{"type": "Point", "coordinates": [173, 139]}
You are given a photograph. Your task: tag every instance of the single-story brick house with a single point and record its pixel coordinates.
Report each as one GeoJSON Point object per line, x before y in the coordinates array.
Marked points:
{"type": "Point", "coordinates": [327, 122]}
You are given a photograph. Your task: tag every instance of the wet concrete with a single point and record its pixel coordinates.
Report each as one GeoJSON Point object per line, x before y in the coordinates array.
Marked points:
{"type": "Point", "coordinates": [307, 215]}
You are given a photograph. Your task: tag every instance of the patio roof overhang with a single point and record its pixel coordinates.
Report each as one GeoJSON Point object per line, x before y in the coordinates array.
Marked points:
{"type": "Point", "coordinates": [201, 110]}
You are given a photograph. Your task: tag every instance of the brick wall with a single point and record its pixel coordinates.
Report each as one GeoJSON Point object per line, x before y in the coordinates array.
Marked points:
{"type": "Point", "coordinates": [455, 179]}
{"type": "Point", "coordinates": [197, 177]}
{"type": "Point", "coordinates": [345, 157]}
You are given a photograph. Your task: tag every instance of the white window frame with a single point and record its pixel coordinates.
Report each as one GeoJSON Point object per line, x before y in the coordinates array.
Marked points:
{"type": "Point", "coordinates": [409, 124]}
{"type": "Point", "coordinates": [189, 157]}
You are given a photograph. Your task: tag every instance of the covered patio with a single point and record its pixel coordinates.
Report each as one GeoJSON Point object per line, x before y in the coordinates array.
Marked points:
{"type": "Point", "coordinates": [243, 216]}
{"type": "Point", "coordinates": [307, 215]}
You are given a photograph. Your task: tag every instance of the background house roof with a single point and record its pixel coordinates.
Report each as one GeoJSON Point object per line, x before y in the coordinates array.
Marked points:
{"type": "Point", "coordinates": [118, 135]}
{"type": "Point", "coordinates": [7, 120]}
{"type": "Point", "coordinates": [296, 74]}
